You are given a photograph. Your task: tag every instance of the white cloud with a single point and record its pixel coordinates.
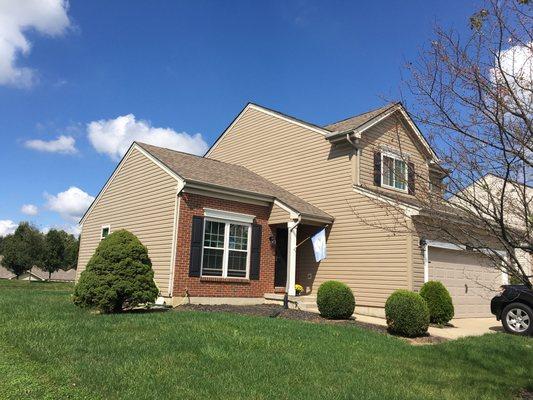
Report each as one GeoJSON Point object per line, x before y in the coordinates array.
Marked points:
{"type": "Point", "coordinates": [48, 17]}
{"type": "Point", "coordinates": [70, 204]}
{"type": "Point", "coordinates": [7, 227]}
{"type": "Point", "coordinates": [63, 144]}
{"type": "Point", "coordinates": [29, 209]}
{"type": "Point", "coordinates": [73, 229]}
{"type": "Point", "coordinates": [517, 68]}
{"type": "Point", "coordinates": [114, 136]}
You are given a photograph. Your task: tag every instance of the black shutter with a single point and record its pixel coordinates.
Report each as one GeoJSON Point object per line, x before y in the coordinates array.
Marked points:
{"type": "Point", "coordinates": [377, 168]}
{"type": "Point", "coordinates": [255, 255]}
{"type": "Point", "coordinates": [197, 231]}
{"type": "Point", "coordinates": [411, 178]}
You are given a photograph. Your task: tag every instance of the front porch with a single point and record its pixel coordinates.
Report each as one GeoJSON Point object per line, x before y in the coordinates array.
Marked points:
{"type": "Point", "coordinates": [295, 260]}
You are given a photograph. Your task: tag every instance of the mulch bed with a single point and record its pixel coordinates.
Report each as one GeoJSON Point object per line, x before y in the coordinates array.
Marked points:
{"type": "Point", "coordinates": [276, 311]}
{"type": "Point", "coordinates": [525, 395]}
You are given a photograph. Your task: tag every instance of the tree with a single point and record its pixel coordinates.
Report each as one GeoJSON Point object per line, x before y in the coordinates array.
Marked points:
{"type": "Point", "coordinates": [474, 95]}
{"type": "Point", "coordinates": [23, 249]}
{"type": "Point", "coordinates": [119, 275]}
{"type": "Point", "coordinates": [61, 251]}
{"type": "Point", "coordinates": [55, 250]}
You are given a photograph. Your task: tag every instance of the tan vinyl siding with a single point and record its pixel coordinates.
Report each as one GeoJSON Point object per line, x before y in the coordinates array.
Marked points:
{"type": "Point", "coordinates": [141, 199]}
{"type": "Point", "coordinates": [278, 215]}
{"type": "Point", "coordinates": [362, 250]}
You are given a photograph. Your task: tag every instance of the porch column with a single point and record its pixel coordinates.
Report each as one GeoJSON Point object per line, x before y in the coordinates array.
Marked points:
{"type": "Point", "coordinates": [291, 257]}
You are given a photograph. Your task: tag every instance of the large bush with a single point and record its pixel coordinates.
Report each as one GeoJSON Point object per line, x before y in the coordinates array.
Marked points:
{"type": "Point", "coordinates": [119, 275]}
{"type": "Point", "coordinates": [407, 313]}
{"type": "Point", "coordinates": [439, 302]}
{"type": "Point", "coordinates": [335, 300]}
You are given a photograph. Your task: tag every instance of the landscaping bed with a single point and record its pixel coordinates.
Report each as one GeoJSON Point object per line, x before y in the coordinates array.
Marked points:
{"type": "Point", "coordinates": [276, 311]}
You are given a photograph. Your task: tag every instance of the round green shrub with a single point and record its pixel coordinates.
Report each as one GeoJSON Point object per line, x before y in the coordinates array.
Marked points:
{"type": "Point", "coordinates": [335, 300]}
{"type": "Point", "coordinates": [439, 302]}
{"type": "Point", "coordinates": [407, 313]}
{"type": "Point", "coordinates": [119, 275]}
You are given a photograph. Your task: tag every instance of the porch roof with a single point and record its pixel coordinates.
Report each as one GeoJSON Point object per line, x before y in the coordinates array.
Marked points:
{"type": "Point", "coordinates": [201, 170]}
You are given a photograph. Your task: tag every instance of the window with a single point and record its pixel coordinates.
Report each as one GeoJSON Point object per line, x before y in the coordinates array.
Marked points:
{"type": "Point", "coordinates": [394, 173]}
{"type": "Point", "coordinates": [225, 249]}
{"type": "Point", "coordinates": [105, 231]}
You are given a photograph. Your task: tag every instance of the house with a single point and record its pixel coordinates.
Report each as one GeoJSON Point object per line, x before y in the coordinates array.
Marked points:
{"type": "Point", "coordinates": [36, 274]}
{"type": "Point", "coordinates": [489, 192]}
{"type": "Point", "coordinates": [232, 226]}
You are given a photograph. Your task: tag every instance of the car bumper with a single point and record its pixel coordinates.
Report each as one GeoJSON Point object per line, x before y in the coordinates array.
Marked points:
{"type": "Point", "coordinates": [496, 306]}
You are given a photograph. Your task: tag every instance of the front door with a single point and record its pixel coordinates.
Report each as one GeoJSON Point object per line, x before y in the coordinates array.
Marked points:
{"type": "Point", "coordinates": [280, 273]}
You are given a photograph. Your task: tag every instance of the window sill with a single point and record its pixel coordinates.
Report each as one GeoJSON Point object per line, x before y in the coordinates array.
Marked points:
{"type": "Point", "coordinates": [394, 189]}
{"type": "Point", "coordinates": [224, 280]}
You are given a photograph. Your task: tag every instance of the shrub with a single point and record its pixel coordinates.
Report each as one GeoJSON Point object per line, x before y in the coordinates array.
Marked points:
{"type": "Point", "coordinates": [407, 313]}
{"type": "Point", "coordinates": [439, 302]}
{"type": "Point", "coordinates": [118, 275]}
{"type": "Point", "coordinates": [335, 300]}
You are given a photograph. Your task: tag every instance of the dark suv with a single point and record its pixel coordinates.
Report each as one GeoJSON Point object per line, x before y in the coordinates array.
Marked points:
{"type": "Point", "coordinates": [514, 307]}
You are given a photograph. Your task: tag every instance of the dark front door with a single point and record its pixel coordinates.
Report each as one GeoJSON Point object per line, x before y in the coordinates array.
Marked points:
{"type": "Point", "coordinates": [280, 275]}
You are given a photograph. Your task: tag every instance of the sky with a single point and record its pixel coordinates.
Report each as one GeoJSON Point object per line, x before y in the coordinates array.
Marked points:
{"type": "Point", "coordinates": [80, 80]}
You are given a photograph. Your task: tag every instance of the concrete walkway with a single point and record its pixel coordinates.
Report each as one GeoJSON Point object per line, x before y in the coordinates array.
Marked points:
{"type": "Point", "coordinates": [461, 327]}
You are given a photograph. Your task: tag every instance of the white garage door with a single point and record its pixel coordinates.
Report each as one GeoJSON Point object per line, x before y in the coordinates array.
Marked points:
{"type": "Point", "coordinates": [468, 278]}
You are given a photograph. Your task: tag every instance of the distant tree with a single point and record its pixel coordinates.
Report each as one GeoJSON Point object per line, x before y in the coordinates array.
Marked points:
{"type": "Point", "coordinates": [54, 252]}
{"type": "Point", "coordinates": [61, 251]}
{"type": "Point", "coordinates": [23, 249]}
{"type": "Point", "coordinates": [72, 245]}
{"type": "Point", "coordinates": [1, 241]}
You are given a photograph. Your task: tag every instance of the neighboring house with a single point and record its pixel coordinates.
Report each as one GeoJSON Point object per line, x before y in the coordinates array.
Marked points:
{"type": "Point", "coordinates": [36, 274]}
{"type": "Point", "coordinates": [486, 194]}
{"type": "Point", "coordinates": [232, 226]}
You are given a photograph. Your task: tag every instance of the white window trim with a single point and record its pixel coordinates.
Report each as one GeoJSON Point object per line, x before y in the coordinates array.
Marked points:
{"type": "Point", "coordinates": [102, 231]}
{"type": "Point", "coordinates": [399, 158]}
{"type": "Point", "coordinates": [228, 216]}
{"type": "Point", "coordinates": [226, 249]}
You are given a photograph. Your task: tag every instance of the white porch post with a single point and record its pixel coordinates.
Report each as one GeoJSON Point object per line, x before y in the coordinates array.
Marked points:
{"type": "Point", "coordinates": [291, 257]}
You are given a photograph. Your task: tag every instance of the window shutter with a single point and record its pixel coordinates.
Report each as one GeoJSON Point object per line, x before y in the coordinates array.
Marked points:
{"type": "Point", "coordinates": [197, 231]}
{"type": "Point", "coordinates": [255, 255]}
{"type": "Point", "coordinates": [411, 178]}
{"type": "Point", "coordinates": [377, 168]}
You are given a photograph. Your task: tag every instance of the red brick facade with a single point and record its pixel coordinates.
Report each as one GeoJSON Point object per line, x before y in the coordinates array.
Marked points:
{"type": "Point", "coordinates": [193, 204]}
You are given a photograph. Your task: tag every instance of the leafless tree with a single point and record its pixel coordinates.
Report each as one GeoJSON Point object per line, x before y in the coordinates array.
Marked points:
{"type": "Point", "coordinates": [474, 97]}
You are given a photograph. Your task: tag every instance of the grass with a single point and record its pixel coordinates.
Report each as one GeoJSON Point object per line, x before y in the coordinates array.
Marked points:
{"type": "Point", "coordinates": [49, 349]}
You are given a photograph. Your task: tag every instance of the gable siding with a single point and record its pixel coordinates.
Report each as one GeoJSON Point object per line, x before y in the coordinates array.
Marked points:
{"type": "Point", "coordinates": [391, 133]}
{"type": "Point", "coordinates": [371, 260]}
{"type": "Point", "coordinates": [278, 215]}
{"type": "Point", "coordinates": [141, 199]}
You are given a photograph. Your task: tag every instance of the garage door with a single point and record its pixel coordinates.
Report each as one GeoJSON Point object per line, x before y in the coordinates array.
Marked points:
{"type": "Point", "coordinates": [469, 279]}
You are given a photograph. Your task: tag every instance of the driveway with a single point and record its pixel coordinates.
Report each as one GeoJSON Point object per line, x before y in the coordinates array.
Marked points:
{"type": "Point", "coordinates": [461, 326]}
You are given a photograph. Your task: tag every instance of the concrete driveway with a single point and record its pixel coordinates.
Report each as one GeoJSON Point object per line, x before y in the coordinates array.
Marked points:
{"type": "Point", "coordinates": [461, 327]}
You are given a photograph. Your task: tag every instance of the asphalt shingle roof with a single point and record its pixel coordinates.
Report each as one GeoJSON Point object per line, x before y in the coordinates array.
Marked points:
{"type": "Point", "coordinates": [357, 120]}
{"type": "Point", "coordinates": [231, 176]}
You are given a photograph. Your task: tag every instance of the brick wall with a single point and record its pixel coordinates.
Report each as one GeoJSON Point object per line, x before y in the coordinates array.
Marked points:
{"type": "Point", "coordinates": [193, 204]}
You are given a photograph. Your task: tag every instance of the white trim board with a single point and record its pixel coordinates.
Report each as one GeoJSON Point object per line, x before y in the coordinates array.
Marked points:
{"type": "Point", "coordinates": [228, 215]}
{"type": "Point", "coordinates": [407, 209]}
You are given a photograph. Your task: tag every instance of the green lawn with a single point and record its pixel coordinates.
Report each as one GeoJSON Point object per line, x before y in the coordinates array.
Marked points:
{"type": "Point", "coordinates": [49, 349]}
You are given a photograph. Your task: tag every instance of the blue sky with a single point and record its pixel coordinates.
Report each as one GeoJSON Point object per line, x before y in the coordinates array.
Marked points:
{"type": "Point", "coordinates": [185, 67]}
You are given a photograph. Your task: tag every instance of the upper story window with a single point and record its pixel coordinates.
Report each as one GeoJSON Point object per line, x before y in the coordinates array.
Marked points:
{"type": "Point", "coordinates": [394, 172]}
{"type": "Point", "coordinates": [105, 231]}
{"type": "Point", "coordinates": [226, 248]}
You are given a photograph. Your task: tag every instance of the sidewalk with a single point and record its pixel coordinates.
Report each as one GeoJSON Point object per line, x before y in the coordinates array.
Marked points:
{"type": "Point", "coordinates": [461, 327]}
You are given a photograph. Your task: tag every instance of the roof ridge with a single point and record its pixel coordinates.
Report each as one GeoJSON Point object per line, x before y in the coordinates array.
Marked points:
{"type": "Point", "coordinates": [384, 107]}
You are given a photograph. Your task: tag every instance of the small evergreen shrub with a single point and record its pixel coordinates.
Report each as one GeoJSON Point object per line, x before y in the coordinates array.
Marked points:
{"type": "Point", "coordinates": [119, 275]}
{"type": "Point", "coordinates": [335, 300]}
{"type": "Point", "coordinates": [407, 313]}
{"type": "Point", "coordinates": [439, 302]}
